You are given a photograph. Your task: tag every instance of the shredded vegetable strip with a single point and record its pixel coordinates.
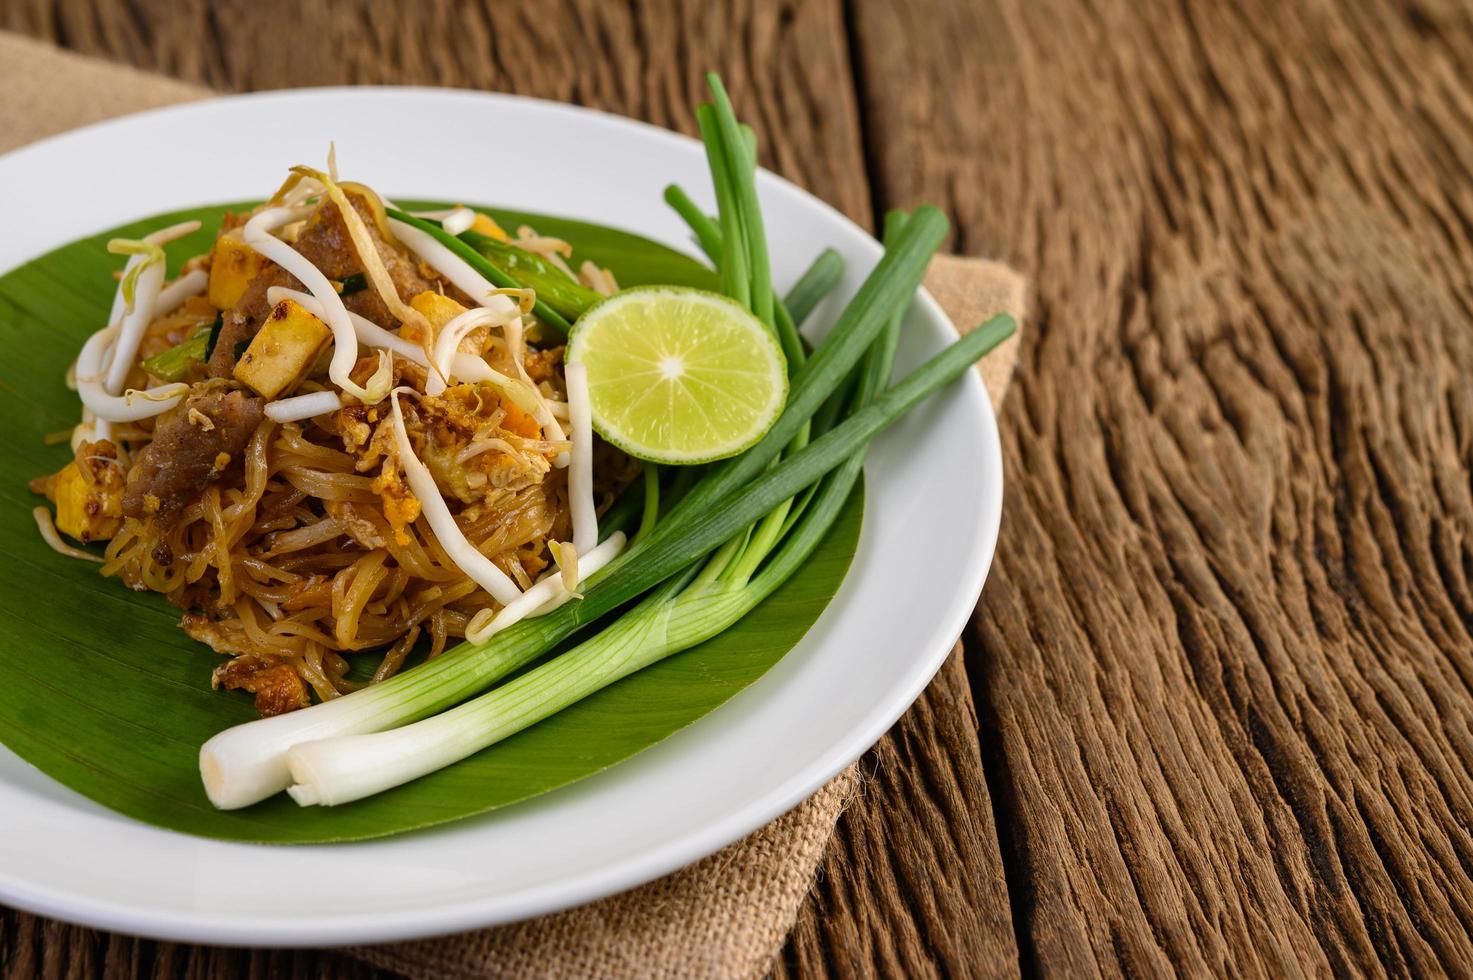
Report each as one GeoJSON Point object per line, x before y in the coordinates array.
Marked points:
{"type": "Point", "coordinates": [48, 532]}
{"type": "Point", "coordinates": [449, 339]}
{"type": "Point", "coordinates": [516, 346]}
{"type": "Point", "coordinates": [139, 292]}
{"type": "Point", "coordinates": [130, 331]}
{"type": "Point", "coordinates": [551, 428]}
{"type": "Point", "coordinates": [161, 237]}
{"type": "Point", "coordinates": [299, 407]}
{"type": "Point", "coordinates": [580, 473]}
{"type": "Point", "coordinates": [173, 295]}
{"type": "Point", "coordinates": [549, 592]}
{"type": "Point", "coordinates": [458, 220]}
{"type": "Point", "coordinates": [345, 339]}
{"type": "Point", "coordinates": [442, 522]}
{"type": "Point", "coordinates": [169, 300]}
{"type": "Point", "coordinates": [132, 406]}
{"type": "Point", "coordinates": [295, 191]}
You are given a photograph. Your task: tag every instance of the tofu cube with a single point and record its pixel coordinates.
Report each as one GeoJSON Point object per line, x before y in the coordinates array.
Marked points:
{"type": "Point", "coordinates": [232, 267]}
{"type": "Point", "coordinates": [286, 347]}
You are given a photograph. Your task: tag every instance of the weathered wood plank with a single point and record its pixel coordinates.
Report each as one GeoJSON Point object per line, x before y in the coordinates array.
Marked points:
{"type": "Point", "coordinates": [913, 884]}
{"type": "Point", "coordinates": [647, 61]}
{"type": "Point", "coordinates": [1225, 654]}
{"type": "Point", "coordinates": [33, 948]}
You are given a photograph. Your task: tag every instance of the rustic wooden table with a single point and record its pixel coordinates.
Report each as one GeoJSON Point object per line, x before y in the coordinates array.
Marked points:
{"type": "Point", "coordinates": [1222, 674]}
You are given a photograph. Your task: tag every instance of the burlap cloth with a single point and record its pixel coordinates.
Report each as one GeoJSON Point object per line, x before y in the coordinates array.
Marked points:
{"type": "Point", "coordinates": [725, 916]}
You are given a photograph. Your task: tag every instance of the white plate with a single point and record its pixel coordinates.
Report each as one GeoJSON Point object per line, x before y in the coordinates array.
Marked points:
{"type": "Point", "coordinates": [935, 494]}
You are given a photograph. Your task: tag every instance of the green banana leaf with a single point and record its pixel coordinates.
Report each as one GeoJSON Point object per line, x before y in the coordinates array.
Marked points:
{"type": "Point", "coordinates": [101, 690]}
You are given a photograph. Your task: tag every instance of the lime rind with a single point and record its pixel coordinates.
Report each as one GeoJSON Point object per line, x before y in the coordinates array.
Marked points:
{"type": "Point", "coordinates": [678, 375]}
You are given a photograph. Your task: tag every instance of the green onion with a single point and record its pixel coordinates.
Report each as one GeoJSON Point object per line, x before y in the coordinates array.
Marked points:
{"type": "Point", "coordinates": [741, 162]}
{"type": "Point", "coordinates": [214, 335]}
{"type": "Point", "coordinates": [816, 283]}
{"type": "Point", "coordinates": [735, 281]}
{"type": "Point", "coordinates": [708, 236]}
{"type": "Point", "coordinates": [483, 267]}
{"type": "Point", "coordinates": [567, 296]}
{"type": "Point", "coordinates": [889, 287]}
{"type": "Point", "coordinates": [872, 374]}
{"type": "Point", "coordinates": [756, 498]}
{"type": "Point", "coordinates": [627, 509]}
{"type": "Point", "coordinates": [737, 145]}
{"type": "Point", "coordinates": [651, 500]}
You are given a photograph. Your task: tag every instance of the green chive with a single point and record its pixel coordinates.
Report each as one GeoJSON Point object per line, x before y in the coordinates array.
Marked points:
{"type": "Point", "coordinates": [497, 277]}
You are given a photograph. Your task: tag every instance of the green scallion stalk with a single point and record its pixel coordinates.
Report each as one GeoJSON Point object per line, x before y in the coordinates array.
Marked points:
{"type": "Point", "coordinates": [873, 374]}
{"type": "Point", "coordinates": [651, 500]}
{"type": "Point", "coordinates": [483, 266]}
{"type": "Point", "coordinates": [741, 162]}
{"type": "Point", "coordinates": [729, 515]}
{"type": "Point", "coordinates": [625, 513]}
{"type": "Point", "coordinates": [708, 235]}
{"type": "Point", "coordinates": [816, 283]}
{"type": "Point", "coordinates": [339, 770]}
{"type": "Point", "coordinates": [732, 266]}
{"type": "Point", "coordinates": [570, 298]}
{"type": "Point", "coordinates": [888, 288]}
{"type": "Point", "coordinates": [738, 145]}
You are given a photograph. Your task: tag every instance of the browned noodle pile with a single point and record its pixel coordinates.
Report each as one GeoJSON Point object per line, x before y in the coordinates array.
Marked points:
{"type": "Point", "coordinates": [306, 546]}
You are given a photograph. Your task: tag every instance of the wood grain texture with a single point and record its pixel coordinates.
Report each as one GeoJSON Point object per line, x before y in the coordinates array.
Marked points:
{"type": "Point", "coordinates": [33, 948]}
{"type": "Point", "coordinates": [647, 60]}
{"type": "Point", "coordinates": [1223, 662]}
{"type": "Point", "coordinates": [913, 884]}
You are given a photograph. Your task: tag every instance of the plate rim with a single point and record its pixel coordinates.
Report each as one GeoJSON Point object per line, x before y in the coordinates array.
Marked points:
{"type": "Point", "coordinates": [630, 870]}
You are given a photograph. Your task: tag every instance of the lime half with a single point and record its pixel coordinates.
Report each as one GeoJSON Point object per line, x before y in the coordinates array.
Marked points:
{"type": "Point", "coordinates": [678, 375]}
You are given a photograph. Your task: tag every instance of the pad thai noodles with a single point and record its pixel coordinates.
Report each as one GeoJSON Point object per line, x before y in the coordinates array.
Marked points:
{"type": "Point", "coordinates": [328, 436]}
